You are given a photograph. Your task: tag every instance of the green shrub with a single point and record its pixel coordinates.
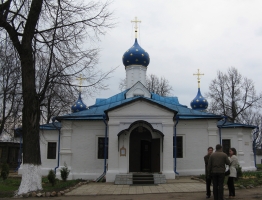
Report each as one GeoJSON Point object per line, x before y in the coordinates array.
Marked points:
{"type": "Point", "coordinates": [51, 177]}
{"type": "Point", "coordinates": [4, 171]}
{"type": "Point", "coordinates": [64, 172]}
{"type": "Point", "coordinates": [259, 175]}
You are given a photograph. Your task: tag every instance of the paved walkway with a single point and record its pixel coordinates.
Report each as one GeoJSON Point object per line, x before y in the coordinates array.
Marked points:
{"type": "Point", "coordinates": [181, 184]}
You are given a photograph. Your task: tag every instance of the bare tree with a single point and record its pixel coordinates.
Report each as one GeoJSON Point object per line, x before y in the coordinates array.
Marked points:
{"type": "Point", "coordinates": [257, 134]}
{"type": "Point", "coordinates": [158, 85]}
{"type": "Point", "coordinates": [233, 95]}
{"type": "Point", "coordinates": [154, 84]}
{"type": "Point", "coordinates": [10, 89]}
{"type": "Point", "coordinates": [49, 36]}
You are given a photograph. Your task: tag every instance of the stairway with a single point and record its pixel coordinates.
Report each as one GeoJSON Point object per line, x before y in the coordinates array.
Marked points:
{"type": "Point", "coordinates": [140, 179]}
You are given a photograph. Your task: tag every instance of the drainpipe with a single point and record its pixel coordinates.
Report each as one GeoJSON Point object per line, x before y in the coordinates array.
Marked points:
{"type": "Point", "coordinates": [174, 145]}
{"type": "Point", "coordinates": [219, 128]}
{"type": "Point", "coordinates": [105, 151]}
{"type": "Point", "coordinates": [58, 151]}
{"type": "Point", "coordinates": [254, 146]}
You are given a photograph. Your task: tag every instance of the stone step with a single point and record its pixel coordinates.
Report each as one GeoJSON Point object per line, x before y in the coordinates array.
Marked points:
{"type": "Point", "coordinates": [143, 179]}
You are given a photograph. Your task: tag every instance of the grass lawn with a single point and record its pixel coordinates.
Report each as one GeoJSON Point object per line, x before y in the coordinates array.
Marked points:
{"type": "Point", "coordinates": [259, 167]}
{"type": "Point", "coordinates": [248, 178]}
{"type": "Point", "coordinates": [10, 185]}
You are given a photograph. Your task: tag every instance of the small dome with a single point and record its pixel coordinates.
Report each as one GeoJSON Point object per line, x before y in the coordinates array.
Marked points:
{"type": "Point", "coordinates": [136, 56]}
{"type": "Point", "coordinates": [78, 105]}
{"type": "Point", "coordinates": [199, 102]}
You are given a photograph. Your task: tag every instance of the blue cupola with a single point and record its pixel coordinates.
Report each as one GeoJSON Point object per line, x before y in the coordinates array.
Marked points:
{"type": "Point", "coordinates": [78, 105]}
{"type": "Point", "coordinates": [136, 55]}
{"type": "Point", "coordinates": [199, 102]}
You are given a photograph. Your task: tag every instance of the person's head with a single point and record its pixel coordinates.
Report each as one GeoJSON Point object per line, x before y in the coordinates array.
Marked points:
{"type": "Point", "coordinates": [218, 147]}
{"type": "Point", "coordinates": [210, 150]}
{"type": "Point", "coordinates": [232, 151]}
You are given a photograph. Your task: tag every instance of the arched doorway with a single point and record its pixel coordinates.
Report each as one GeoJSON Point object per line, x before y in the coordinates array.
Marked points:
{"type": "Point", "coordinates": [144, 151]}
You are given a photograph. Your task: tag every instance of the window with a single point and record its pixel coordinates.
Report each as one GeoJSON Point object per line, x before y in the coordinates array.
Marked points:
{"type": "Point", "coordinates": [138, 95]}
{"type": "Point", "coordinates": [226, 146]}
{"type": "Point", "coordinates": [179, 147]}
{"type": "Point", "coordinates": [101, 147]}
{"type": "Point", "coordinates": [0, 152]}
{"type": "Point", "coordinates": [51, 150]}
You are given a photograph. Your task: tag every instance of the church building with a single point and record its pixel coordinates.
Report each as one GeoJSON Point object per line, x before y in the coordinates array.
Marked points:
{"type": "Point", "coordinates": [136, 131]}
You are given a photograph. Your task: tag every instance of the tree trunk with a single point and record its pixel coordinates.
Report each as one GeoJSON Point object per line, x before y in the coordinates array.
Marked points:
{"type": "Point", "coordinates": [31, 176]}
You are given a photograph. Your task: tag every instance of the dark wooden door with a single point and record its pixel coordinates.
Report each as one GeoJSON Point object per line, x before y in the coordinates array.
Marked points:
{"type": "Point", "coordinates": [155, 155]}
{"type": "Point", "coordinates": [145, 156]}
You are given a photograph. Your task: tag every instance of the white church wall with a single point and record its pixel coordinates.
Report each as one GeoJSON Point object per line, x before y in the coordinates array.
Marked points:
{"type": "Point", "coordinates": [135, 73]}
{"type": "Point", "coordinates": [241, 140]}
{"type": "Point", "coordinates": [47, 164]}
{"type": "Point", "coordinates": [168, 164]}
{"type": "Point", "coordinates": [45, 137]}
{"type": "Point", "coordinates": [79, 143]}
{"type": "Point", "coordinates": [85, 162]}
{"type": "Point", "coordinates": [138, 90]}
{"type": "Point", "coordinates": [121, 118]}
{"type": "Point", "coordinates": [259, 159]}
{"type": "Point", "coordinates": [196, 139]}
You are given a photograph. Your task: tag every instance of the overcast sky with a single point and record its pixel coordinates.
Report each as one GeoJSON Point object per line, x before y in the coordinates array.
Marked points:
{"type": "Point", "coordinates": [182, 36]}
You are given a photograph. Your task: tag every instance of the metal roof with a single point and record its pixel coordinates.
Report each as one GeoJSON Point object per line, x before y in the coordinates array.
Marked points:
{"type": "Point", "coordinates": [222, 124]}
{"type": "Point", "coordinates": [102, 106]}
{"type": "Point", "coordinates": [51, 126]}
{"type": "Point", "coordinates": [99, 110]}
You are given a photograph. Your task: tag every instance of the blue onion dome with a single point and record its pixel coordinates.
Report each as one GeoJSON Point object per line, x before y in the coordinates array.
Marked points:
{"type": "Point", "coordinates": [199, 102]}
{"type": "Point", "coordinates": [136, 56]}
{"type": "Point", "coordinates": [78, 105]}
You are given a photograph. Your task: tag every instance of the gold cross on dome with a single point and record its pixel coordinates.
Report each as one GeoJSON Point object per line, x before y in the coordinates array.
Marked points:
{"type": "Point", "coordinates": [80, 79]}
{"type": "Point", "coordinates": [135, 21]}
{"type": "Point", "coordinates": [198, 77]}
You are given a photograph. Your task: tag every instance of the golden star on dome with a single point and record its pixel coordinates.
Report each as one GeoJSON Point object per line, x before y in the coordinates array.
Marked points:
{"type": "Point", "coordinates": [136, 60]}
{"type": "Point", "coordinates": [131, 54]}
{"type": "Point", "coordinates": [142, 54]}
{"type": "Point", "coordinates": [136, 49]}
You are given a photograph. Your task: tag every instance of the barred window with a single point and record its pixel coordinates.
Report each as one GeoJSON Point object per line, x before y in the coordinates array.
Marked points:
{"type": "Point", "coordinates": [51, 150]}
{"type": "Point", "coordinates": [179, 147]}
{"type": "Point", "coordinates": [101, 148]}
{"type": "Point", "coordinates": [226, 146]}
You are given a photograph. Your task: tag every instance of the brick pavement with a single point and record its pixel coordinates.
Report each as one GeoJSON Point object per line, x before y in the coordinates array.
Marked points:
{"type": "Point", "coordinates": [181, 184]}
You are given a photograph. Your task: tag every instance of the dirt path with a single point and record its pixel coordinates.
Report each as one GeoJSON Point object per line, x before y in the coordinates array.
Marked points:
{"type": "Point", "coordinates": [243, 194]}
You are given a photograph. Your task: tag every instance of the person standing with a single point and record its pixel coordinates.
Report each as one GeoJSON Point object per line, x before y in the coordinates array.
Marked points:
{"type": "Point", "coordinates": [233, 172]}
{"type": "Point", "coordinates": [208, 178]}
{"type": "Point", "coordinates": [216, 169]}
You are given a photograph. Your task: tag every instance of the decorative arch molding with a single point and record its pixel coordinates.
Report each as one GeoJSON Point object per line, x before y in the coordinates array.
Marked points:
{"type": "Point", "coordinates": [140, 123]}
{"type": "Point", "coordinates": [143, 124]}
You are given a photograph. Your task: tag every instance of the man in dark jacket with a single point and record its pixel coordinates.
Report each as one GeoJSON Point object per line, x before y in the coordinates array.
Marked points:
{"type": "Point", "coordinates": [208, 178]}
{"type": "Point", "coordinates": [216, 168]}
